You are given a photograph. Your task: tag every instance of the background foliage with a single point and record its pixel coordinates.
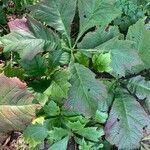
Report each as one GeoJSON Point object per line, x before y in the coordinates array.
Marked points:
{"type": "Point", "coordinates": [84, 64]}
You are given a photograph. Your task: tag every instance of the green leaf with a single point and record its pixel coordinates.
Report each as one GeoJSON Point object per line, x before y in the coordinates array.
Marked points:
{"type": "Point", "coordinates": [84, 146]}
{"type": "Point", "coordinates": [42, 32]}
{"type": "Point", "coordinates": [123, 55]}
{"type": "Point", "coordinates": [58, 14]}
{"type": "Point", "coordinates": [41, 98]}
{"type": "Point", "coordinates": [65, 58]}
{"type": "Point", "coordinates": [29, 43]}
{"type": "Point", "coordinates": [2, 16]}
{"type": "Point", "coordinates": [141, 88]}
{"type": "Point", "coordinates": [54, 58]}
{"type": "Point", "coordinates": [35, 134]}
{"type": "Point", "coordinates": [101, 62]}
{"type": "Point", "coordinates": [126, 123]}
{"type": "Point", "coordinates": [140, 35]}
{"type": "Point", "coordinates": [59, 86]}
{"type": "Point", "coordinates": [25, 43]}
{"type": "Point", "coordinates": [101, 117]}
{"type": "Point", "coordinates": [75, 126]}
{"type": "Point", "coordinates": [91, 133]}
{"type": "Point", "coordinates": [16, 108]}
{"type": "Point", "coordinates": [57, 134]}
{"type": "Point", "coordinates": [85, 92]}
{"type": "Point", "coordinates": [10, 71]}
{"type": "Point", "coordinates": [82, 59]}
{"type": "Point", "coordinates": [52, 109]}
{"type": "Point", "coordinates": [98, 37]}
{"type": "Point", "coordinates": [96, 12]}
{"type": "Point", "coordinates": [35, 67]}
{"type": "Point", "coordinates": [60, 145]}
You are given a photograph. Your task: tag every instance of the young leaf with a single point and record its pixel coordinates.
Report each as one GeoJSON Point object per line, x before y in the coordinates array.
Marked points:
{"type": "Point", "coordinates": [59, 86]}
{"type": "Point", "coordinates": [85, 91]}
{"type": "Point", "coordinates": [35, 134]}
{"type": "Point", "coordinates": [58, 14]}
{"type": "Point", "coordinates": [96, 12]}
{"type": "Point", "coordinates": [141, 88]}
{"type": "Point", "coordinates": [101, 62]}
{"type": "Point", "coordinates": [16, 108]}
{"type": "Point", "coordinates": [84, 146]}
{"type": "Point", "coordinates": [57, 134]}
{"type": "Point", "coordinates": [140, 35]}
{"type": "Point", "coordinates": [101, 117]}
{"type": "Point", "coordinates": [60, 145]}
{"type": "Point", "coordinates": [123, 55]}
{"type": "Point", "coordinates": [34, 67]}
{"type": "Point", "coordinates": [126, 123]}
{"type": "Point", "coordinates": [52, 109]}
{"type": "Point", "coordinates": [91, 133]}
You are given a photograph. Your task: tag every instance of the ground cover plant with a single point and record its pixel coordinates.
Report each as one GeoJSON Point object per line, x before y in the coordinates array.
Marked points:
{"type": "Point", "coordinates": [75, 74]}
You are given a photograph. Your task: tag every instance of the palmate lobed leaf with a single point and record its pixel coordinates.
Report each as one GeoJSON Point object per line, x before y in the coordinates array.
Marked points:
{"type": "Point", "coordinates": [127, 122]}
{"type": "Point", "coordinates": [28, 38]}
{"type": "Point", "coordinates": [59, 86]}
{"type": "Point", "coordinates": [16, 108]}
{"type": "Point", "coordinates": [123, 55]}
{"type": "Point", "coordinates": [58, 14]}
{"type": "Point", "coordinates": [96, 12]}
{"type": "Point", "coordinates": [85, 92]}
{"type": "Point", "coordinates": [34, 68]}
{"type": "Point", "coordinates": [98, 37]}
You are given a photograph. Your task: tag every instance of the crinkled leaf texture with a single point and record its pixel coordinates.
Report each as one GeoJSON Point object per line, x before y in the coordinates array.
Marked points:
{"type": "Point", "coordinates": [59, 86]}
{"type": "Point", "coordinates": [35, 67]}
{"type": "Point", "coordinates": [123, 55]}
{"type": "Point", "coordinates": [126, 123]}
{"type": "Point", "coordinates": [141, 88]}
{"type": "Point", "coordinates": [85, 92]}
{"type": "Point", "coordinates": [28, 40]}
{"type": "Point", "coordinates": [16, 108]}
